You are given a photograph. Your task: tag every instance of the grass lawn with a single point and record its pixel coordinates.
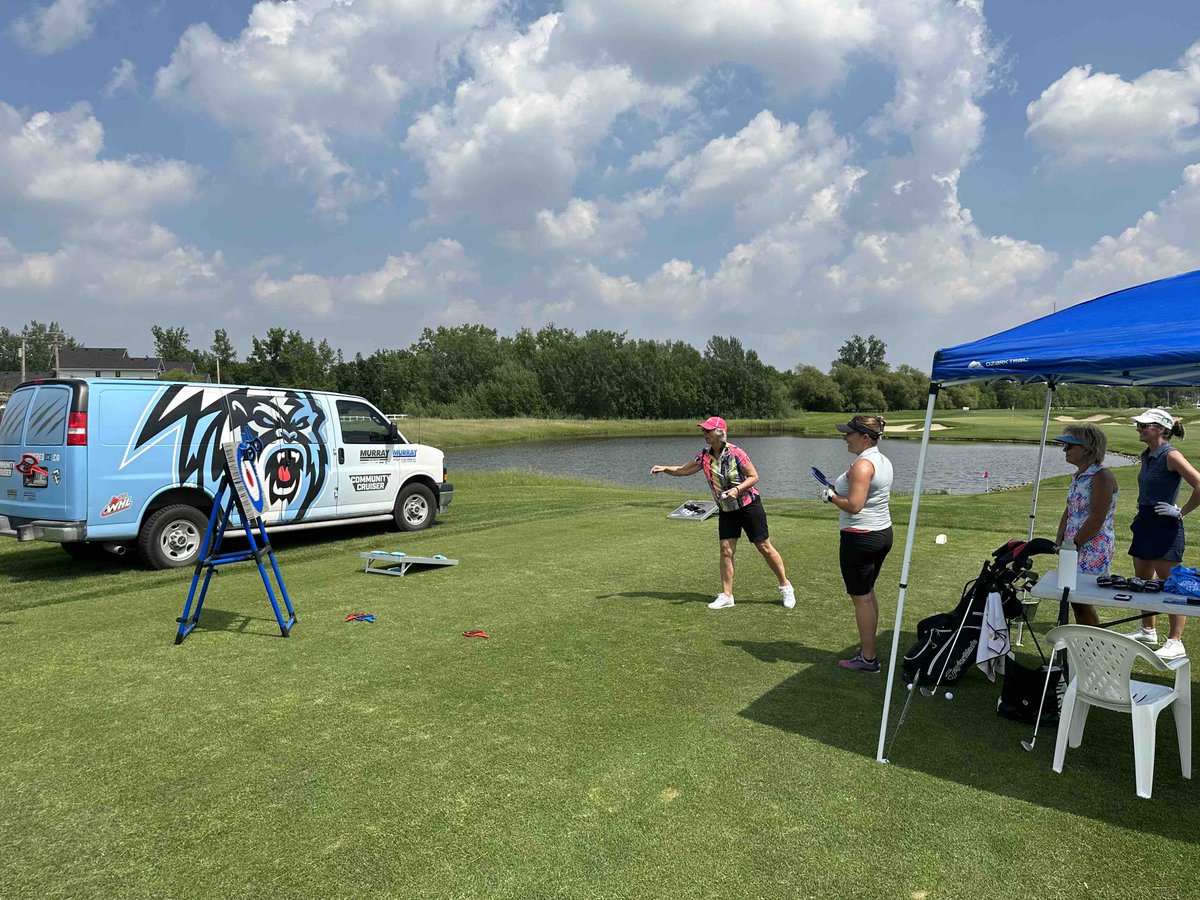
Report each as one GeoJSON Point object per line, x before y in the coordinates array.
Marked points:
{"type": "Point", "coordinates": [613, 737]}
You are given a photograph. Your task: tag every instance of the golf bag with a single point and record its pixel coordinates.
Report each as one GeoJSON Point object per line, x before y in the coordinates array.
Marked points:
{"type": "Point", "coordinates": [947, 642]}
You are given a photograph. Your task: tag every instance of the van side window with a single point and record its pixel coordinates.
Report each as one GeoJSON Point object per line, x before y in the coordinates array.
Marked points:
{"type": "Point", "coordinates": [13, 421]}
{"type": "Point", "coordinates": [361, 424]}
{"type": "Point", "coordinates": [48, 418]}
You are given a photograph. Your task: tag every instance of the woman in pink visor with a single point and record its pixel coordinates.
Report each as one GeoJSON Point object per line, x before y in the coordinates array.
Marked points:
{"type": "Point", "coordinates": [732, 477]}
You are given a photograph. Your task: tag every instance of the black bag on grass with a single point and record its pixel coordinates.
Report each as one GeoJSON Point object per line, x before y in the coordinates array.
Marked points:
{"type": "Point", "coordinates": [1021, 694]}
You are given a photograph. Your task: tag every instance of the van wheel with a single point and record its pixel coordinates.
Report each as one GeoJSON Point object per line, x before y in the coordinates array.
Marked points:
{"type": "Point", "coordinates": [171, 537]}
{"type": "Point", "coordinates": [415, 508]}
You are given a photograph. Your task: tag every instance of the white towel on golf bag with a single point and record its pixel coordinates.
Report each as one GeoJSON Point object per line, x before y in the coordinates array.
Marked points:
{"type": "Point", "coordinates": [993, 638]}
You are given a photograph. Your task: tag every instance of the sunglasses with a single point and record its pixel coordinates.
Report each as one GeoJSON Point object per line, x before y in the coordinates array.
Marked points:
{"type": "Point", "coordinates": [1140, 425]}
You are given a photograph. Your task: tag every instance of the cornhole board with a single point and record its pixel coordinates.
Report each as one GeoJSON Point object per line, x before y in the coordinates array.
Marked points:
{"type": "Point", "coordinates": [695, 510]}
{"type": "Point", "coordinates": [399, 563]}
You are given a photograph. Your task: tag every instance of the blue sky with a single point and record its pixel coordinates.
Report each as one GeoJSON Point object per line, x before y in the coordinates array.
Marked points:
{"type": "Point", "coordinates": [362, 169]}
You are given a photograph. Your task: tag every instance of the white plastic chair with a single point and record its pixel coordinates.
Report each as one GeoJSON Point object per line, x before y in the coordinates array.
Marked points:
{"type": "Point", "coordinates": [1101, 662]}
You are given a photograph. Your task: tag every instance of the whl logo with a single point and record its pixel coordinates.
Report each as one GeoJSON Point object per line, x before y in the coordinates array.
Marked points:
{"type": "Point", "coordinates": [117, 504]}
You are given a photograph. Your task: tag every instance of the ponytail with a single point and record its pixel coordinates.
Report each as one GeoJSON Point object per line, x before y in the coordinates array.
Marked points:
{"type": "Point", "coordinates": [1176, 429]}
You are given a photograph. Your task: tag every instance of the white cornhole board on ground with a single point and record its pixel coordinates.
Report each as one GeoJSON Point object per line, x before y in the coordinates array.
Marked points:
{"type": "Point", "coordinates": [695, 510]}
{"type": "Point", "coordinates": [398, 563]}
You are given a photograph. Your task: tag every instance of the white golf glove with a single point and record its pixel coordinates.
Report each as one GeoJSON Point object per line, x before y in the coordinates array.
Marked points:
{"type": "Point", "coordinates": [1163, 508]}
{"type": "Point", "coordinates": [827, 495]}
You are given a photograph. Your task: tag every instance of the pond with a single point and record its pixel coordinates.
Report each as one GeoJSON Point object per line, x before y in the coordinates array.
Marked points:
{"type": "Point", "coordinates": [783, 463]}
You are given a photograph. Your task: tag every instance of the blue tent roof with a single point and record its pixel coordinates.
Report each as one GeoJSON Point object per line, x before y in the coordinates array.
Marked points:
{"type": "Point", "coordinates": [1149, 334]}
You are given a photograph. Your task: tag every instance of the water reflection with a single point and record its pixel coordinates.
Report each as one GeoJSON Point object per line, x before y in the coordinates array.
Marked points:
{"type": "Point", "coordinates": [783, 462]}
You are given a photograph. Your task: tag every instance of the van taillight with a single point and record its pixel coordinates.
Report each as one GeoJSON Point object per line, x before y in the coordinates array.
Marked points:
{"type": "Point", "coordinates": [77, 429]}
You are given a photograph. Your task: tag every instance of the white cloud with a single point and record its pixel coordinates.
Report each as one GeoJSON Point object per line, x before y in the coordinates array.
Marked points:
{"type": "Point", "coordinates": [514, 138]}
{"type": "Point", "coordinates": [122, 78]}
{"type": "Point", "coordinates": [944, 60]}
{"type": "Point", "coordinates": [801, 45]}
{"type": "Point", "coordinates": [307, 78]}
{"type": "Point", "coordinates": [114, 265]}
{"type": "Point", "coordinates": [1088, 116]}
{"type": "Point", "coordinates": [590, 227]}
{"type": "Point", "coordinates": [27, 270]}
{"type": "Point", "coordinates": [437, 277]}
{"type": "Point", "coordinates": [768, 172]}
{"type": "Point", "coordinates": [57, 26]}
{"type": "Point", "coordinates": [51, 161]}
{"type": "Point", "coordinates": [1165, 241]}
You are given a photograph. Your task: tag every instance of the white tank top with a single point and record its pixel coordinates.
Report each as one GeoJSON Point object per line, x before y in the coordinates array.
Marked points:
{"type": "Point", "coordinates": [875, 515]}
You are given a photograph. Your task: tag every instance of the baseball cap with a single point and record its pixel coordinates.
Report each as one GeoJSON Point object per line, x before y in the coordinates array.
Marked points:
{"type": "Point", "coordinates": [713, 423]}
{"type": "Point", "coordinates": [1068, 439]}
{"type": "Point", "coordinates": [1156, 417]}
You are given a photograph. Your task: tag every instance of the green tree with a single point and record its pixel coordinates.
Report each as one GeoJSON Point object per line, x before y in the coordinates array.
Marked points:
{"type": "Point", "coordinates": [863, 353]}
{"type": "Point", "coordinates": [39, 341]}
{"type": "Point", "coordinates": [286, 359]}
{"type": "Point", "coordinates": [860, 387]}
{"type": "Point", "coordinates": [172, 344]}
{"type": "Point", "coordinates": [814, 391]}
{"type": "Point", "coordinates": [905, 388]}
{"type": "Point", "coordinates": [452, 362]}
{"type": "Point", "coordinates": [511, 391]}
{"type": "Point", "coordinates": [740, 383]}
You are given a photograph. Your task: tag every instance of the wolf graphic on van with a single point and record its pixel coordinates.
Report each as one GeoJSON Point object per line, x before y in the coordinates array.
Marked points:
{"type": "Point", "coordinates": [290, 423]}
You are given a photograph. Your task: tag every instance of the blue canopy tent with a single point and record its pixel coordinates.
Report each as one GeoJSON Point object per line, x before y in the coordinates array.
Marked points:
{"type": "Point", "coordinates": [1139, 336]}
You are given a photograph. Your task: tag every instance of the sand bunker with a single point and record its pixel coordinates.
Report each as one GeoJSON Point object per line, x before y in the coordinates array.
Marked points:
{"type": "Point", "coordinates": [1095, 418]}
{"type": "Point", "coordinates": [910, 427]}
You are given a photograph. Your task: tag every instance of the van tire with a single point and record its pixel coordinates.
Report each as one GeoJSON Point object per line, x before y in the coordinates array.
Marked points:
{"type": "Point", "coordinates": [171, 538]}
{"type": "Point", "coordinates": [415, 508]}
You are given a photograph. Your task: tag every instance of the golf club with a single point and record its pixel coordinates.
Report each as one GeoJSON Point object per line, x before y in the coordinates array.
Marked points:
{"type": "Point", "coordinates": [1037, 723]}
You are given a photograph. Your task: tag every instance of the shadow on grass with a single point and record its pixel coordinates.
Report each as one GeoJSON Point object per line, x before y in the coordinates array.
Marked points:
{"type": "Point", "coordinates": [677, 597]}
{"type": "Point", "coordinates": [964, 741]}
{"type": "Point", "coordinates": [226, 620]}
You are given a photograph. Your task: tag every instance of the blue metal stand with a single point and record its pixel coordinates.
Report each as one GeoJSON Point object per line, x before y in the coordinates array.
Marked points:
{"type": "Point", "coordinates": [211, 557]}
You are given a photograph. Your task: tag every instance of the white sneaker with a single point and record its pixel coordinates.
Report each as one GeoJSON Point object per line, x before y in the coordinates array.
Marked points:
{"type": "Point", "coordinates": [1172, 648]}
{"type": "Point", "coordinates": [1145, 635]}
{"type": "Point", "coordinates": [722, 601]}
{"type": "Point", "coordinates": [788, 593]}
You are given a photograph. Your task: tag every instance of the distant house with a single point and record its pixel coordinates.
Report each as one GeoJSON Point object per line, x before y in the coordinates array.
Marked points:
{"type": "Point", "coordinates": [98, 362]}
{"type": "Point", "coordinates": [115, 362]}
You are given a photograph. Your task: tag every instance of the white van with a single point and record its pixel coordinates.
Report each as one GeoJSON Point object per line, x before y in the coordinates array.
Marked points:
{"type": "Point", "coordinates": [115, 464]}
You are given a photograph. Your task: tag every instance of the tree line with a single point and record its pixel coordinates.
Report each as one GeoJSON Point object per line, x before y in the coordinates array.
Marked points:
{"type": "Point", "coordinates": [473, 371]}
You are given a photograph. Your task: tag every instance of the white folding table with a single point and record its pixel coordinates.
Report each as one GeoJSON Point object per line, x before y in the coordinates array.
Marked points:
{"type": "Point", "coordinates": [1086, 591]}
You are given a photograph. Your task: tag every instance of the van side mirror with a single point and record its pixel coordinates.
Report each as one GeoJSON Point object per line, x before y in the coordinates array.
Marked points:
{"type": "Point", "coordinates": [394, 432]}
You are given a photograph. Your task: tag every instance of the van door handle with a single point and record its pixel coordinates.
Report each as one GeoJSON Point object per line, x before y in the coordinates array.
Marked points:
{"type": "Point", "coordinates": [341, 456]}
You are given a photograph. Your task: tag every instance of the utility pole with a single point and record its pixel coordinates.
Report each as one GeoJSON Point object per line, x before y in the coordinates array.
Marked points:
{"type": "Point", "coordinates": [55, 342]}
{"type": "Point", "coordinates": [22, 354]}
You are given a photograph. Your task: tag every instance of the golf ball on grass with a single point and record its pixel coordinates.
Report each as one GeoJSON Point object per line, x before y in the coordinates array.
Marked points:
{"type": "Point", "coordinates": [949, 695]}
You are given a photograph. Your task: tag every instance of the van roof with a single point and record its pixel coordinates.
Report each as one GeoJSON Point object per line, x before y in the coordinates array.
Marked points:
{"type": "Point", "coordinates": [157, 383]}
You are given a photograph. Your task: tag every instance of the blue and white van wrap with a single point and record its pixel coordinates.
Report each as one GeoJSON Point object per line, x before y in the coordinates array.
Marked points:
{"type": "Point", "coordinates": [92, 459]}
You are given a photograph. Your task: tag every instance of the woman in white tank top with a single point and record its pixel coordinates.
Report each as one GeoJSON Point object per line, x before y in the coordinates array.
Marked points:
{"type": "Point", "coordinates": [861, 494]}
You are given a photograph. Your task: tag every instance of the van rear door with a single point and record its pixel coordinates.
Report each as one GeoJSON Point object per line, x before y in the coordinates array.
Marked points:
{"type": "Point", "coordinates": [45, 477]}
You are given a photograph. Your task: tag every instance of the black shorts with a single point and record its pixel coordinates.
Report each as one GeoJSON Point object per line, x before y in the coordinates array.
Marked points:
{"type": "Point", "coordinates": [751, 518]}
{"type": "Point", "coordinates": [1155, 536]}
{"type": "Point", "coordinates": [862, 554]}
